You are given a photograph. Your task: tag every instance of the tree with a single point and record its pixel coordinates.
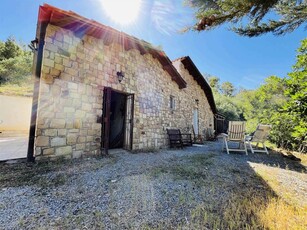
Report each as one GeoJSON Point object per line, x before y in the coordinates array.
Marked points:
{"type": "Point", "coordinates": [296, 107]}
{"type": "Point", "coordinates": [227, 107]}
{"type": "Point", "coordinates": [214, 82]}
{"type": "Point", "coordinates": [260, 16]}
{"type": "Point", "coordinates": [15, 63]}
{"type": "Point", "coordinates": [227, 88]}
{"type": "Point", "coordinates": [9, 49]}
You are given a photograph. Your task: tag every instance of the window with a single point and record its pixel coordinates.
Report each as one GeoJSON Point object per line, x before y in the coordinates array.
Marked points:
{"type": "Point", "coordinates": [172, 102]}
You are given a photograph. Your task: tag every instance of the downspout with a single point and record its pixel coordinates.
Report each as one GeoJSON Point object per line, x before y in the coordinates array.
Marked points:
{"type": "Point", "coordinates": [37, 67]}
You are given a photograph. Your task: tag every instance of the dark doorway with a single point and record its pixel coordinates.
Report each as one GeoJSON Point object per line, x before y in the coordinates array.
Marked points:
{"type": "Point", "coordinates": [117, 120]}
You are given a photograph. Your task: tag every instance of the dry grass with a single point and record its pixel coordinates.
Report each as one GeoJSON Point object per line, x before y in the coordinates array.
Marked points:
{"type": "Point", "coordinates": [17, 90]}
{"type": "Point", "coordinates": [251, 205]}
{"type": "Point", "coordinates": [277, 214]}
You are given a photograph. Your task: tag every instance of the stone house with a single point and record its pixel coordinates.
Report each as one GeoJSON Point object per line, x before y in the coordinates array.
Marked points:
{"type": "Point", "coordinates": [97, 88]}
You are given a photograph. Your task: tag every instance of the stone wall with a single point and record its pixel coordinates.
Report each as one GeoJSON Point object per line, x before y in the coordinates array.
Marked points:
{"type": "Point", "coordinates": [189, 95]}
{"type": "Point", "coordinates": [74, 73]}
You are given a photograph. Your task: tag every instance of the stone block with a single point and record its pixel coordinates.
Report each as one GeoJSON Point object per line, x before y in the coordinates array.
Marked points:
{"type": "Point", "coordinates": [57, 123]}
{"type": "Point", "coordinates": [69, 109]}
{"type": "Point", "coordinates": [72, 138]}
{"type": "Point", "coordinates": [38, 151]}
{"type": "Point", "coordinates": [58, 141]}
{"type": "Point", "coordinates": [75, 95]}
{"type": "Point", "coordinates": [55, 72]}
{"type": "Point", "coordinates": [59, 37]}
{"type": "Point", "coordinates": [60, 115]}
{"type": "Point", "coordinates": [49, 151]}
{"type": "Point", "coordinates": [81, 139]}
{"type": "Point", "coordinates": [50, 132]}
{"type": "Point", "coordinates": [51, 47]}
{"type": "Point", "coordinates": [71, 71]}
{"type": "Point", "coordinates": [91, 132]}
{"type": "Point", "coordinates": [80, 146]}
{"type": "Point", "coordinates": [67, 39]}
{"type": "Point", "coordinates": [77, 154]}
{"type": "Point", "coordinates": [66, 150]}
{"type": "Point", "coordinates": [42, 141]}
{"type": "Point", "coordinates": [80, 114]}
{"type": "Point", "coordinates": [69, 124]}
{"type": "Point", "coordinates": [84, 98]}
{"type": "Point", "coordinates": [47, 79]}
{"type": "Point", "coordinates": [83, 132]}
{"type": "Point", "coordinates": [62, 132]}
{"type": "Point", "coordinates": [48, 62]}
{"type": "Point", "coordinates": [86, 106]}
{"type": "Point", "coordinates": [72, 85]}
{"type": "Point", "coordinates": [55, 90]}
{"type": "Point", "coordinates": [59, 67]}
{"type": "Point", "coordinates": [46, 70]}
{"type": "Point", "coordinates": [77, 124]}
{"type": "Point", "coordinates": [67, 63]}
{"type": "Point", "coordinates": [73, 131]}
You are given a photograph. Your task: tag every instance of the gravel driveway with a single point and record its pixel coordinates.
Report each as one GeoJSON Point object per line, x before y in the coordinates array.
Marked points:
{"type": "Point", "coordinates": [137, 191]}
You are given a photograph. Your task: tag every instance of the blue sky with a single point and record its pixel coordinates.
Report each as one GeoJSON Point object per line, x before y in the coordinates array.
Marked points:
{"type": "Point", "coordinates": [245, 62]}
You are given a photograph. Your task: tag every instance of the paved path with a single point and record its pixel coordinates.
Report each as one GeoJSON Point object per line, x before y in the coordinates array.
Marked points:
{"type": "Point", "coordinates": [13, 147]}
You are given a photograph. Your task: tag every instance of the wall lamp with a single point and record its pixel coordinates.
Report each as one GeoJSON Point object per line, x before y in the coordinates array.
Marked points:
{"type": "Point", "coordinates": [197, 101]}
{"type": "Point", "coordinates": [34, 45]}
{"type": "Point", "coordinates": [120, 76]}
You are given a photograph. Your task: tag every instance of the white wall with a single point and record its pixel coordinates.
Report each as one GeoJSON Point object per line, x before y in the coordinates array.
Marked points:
{"type": "Point", "coordinates": [15, 113]}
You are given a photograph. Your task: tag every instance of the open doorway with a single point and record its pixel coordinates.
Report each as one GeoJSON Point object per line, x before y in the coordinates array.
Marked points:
{"type": "Point", "coordinates": [117, 120]}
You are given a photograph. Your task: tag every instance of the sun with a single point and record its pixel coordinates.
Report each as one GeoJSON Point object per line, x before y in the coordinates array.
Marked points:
{"type": "Point", "coordinates": [123, 12]}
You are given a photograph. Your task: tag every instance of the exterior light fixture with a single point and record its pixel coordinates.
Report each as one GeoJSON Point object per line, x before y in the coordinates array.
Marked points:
{"type": "Point", "coordinates": [34, 45]}
{"type": "Point", "coordinates": [120, 76]}
{"type": "Point", "coordinates": [197, 101]}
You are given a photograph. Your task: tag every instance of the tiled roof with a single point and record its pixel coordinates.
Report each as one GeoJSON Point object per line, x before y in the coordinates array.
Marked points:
{"type": "Point", "coordinates": [192, 69]}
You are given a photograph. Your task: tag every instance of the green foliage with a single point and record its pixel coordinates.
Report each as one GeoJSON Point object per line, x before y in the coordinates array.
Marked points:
{"type": "Point", "coordinates": [259, 16]}
{"type": "Point", "coordinates": [9, 49]}
{"type": "Point", "coordinates": [296, 106]}
{"type": "Point", "coordinates": [223, 98]}
{"type": "Point", "coordinates": [213, 82]}
{"type": "Point", "coordinates": [227, 88]}
{"type": "Point", "coordinates": [281, 102]}
{"type": "Point", "coordinates": [15, 63]}
{"type": "Point", "coordinates": [227, 107]}
{"type": "Point", "coordinates": [16, 70]}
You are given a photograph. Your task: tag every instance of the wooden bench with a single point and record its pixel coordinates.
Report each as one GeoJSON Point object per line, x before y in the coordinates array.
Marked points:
{"type": "Point", "coordinates": [178, 139]}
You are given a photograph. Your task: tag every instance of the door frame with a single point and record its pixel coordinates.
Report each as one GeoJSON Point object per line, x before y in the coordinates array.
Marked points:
{"type": "Point", "coordinates": [105, 127]}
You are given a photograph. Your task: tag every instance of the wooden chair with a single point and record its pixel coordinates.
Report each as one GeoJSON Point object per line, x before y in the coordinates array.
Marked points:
{"type": "Point", "coordinates": [236, 133]}
{"type": "Point", "coordinates": [198, 139]}
{"type": "Point", "coordinates": [259, 136]}
{"type": "Point", "coordinates": [178, 139]}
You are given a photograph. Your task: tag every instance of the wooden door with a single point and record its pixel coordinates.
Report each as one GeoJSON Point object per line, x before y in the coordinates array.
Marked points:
{"type": "Point", "coordinates": [129, 122]}
{"type": "Point", "coordinates": [105, 134]}
{"type": "Point", "coordinates": [195, 121]}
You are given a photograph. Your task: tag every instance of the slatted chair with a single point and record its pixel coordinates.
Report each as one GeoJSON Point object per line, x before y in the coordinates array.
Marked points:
{"type": "Point", "coordinates": [236, 133]}
{"type": "Point", "coordinates": [178, 139]}
{"type": "Point", "coordinates": [259, 136]}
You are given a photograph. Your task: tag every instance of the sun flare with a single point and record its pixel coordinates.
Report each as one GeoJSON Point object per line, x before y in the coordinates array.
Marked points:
{"type": "Point", "coordinates": [122, 11]}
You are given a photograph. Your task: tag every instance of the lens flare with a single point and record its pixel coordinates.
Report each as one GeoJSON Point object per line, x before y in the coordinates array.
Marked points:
{"type": "Point", "coordinates": [122, 11]}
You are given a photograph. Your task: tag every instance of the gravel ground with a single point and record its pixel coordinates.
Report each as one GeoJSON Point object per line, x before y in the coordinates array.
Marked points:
{"type": "Point", "coordinates": [139, 191]}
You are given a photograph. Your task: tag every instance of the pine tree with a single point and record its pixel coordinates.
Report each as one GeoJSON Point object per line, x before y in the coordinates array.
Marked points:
{"type": "Point", "coordinates": [261, 16]}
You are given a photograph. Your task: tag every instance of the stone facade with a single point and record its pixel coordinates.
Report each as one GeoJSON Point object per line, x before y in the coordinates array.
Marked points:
{"type": "Point", "coordinates": [74, 73]}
